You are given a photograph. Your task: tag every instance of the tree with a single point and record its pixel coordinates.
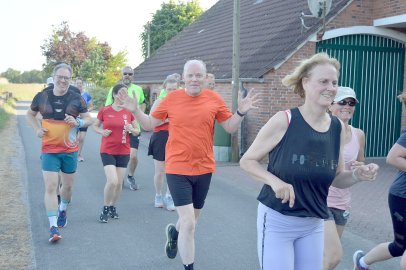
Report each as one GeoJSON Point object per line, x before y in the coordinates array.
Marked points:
{"type": "Point", "coordinates": [12, 75]}
{"type": "Point", "coordinates": [167, 22]}
{"type": "Point", "coordinates": [88, 58]}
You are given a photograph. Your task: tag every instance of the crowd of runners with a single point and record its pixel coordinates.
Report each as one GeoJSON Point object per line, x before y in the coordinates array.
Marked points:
{"type": "Point", "coordinates": [314, 155]}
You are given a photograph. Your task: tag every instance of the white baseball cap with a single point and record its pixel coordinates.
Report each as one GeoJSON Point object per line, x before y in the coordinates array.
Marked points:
{"type": "Point", "coordinates": [345, 92]}
{"type": "Point", "coordinates": [50, 80]}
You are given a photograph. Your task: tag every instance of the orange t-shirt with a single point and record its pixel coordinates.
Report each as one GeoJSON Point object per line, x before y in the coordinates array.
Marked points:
{"type": "Point", "coordinates": [60, 137]}
{"type": "Point", "coordinates": [189, 150]}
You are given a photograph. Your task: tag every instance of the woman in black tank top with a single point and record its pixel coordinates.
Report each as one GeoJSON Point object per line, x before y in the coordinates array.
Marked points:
{"type": "Point", "coordinates": [304, 147]}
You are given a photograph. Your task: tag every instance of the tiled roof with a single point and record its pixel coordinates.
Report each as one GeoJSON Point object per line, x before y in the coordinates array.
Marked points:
{"type": "Point", "coordinates": [270, 30]}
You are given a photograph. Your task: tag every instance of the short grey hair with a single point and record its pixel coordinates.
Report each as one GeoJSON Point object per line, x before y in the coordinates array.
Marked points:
{"type": "Point", "coordinates": [194, 61]}
{"type": "Point", "coordinates": [62, 65]}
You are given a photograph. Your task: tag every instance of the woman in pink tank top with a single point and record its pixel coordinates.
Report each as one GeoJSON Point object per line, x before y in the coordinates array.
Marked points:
{"type": "Point", "coordinates": [339, 200]}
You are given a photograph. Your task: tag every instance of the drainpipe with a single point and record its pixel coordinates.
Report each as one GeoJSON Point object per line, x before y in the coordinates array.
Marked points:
{"type": "Point", "coordinates": [243, 131]}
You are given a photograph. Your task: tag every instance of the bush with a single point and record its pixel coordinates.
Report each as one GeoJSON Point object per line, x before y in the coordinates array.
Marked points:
{"type": "Point", "coordinates": [99, 95]}
{"type": "Point", "coordinates": [6, 111]}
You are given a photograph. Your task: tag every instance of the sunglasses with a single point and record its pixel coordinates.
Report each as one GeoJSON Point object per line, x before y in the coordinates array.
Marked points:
{"type": "Point", "coordinates": [350, 103]}
{"type": "Point", "coordinates": [129, 74]}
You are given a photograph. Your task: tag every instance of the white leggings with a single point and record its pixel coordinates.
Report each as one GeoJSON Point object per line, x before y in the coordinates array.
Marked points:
{"type": "Point", "coordinates": [289, 242]}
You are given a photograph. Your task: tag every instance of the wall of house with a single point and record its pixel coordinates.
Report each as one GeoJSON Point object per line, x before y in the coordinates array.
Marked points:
{"type": "Point", "coordinates": [276, 97]}
{"type": "Point", "coordinates": [387, 8]}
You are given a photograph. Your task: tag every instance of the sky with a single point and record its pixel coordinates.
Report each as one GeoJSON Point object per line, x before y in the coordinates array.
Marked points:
{"type": "Point", "coordinates": [26, 24]}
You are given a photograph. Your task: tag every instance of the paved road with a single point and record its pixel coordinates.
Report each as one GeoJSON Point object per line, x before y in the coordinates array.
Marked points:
{"type": "Point", "coordinates": [225, 235]}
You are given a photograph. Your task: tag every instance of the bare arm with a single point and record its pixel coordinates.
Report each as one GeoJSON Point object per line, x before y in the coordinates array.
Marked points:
{"type": "Point", "coordinates": [396, 157]}
{"type": "Point", "coordinates": [33, 121]}
{"type": "Point", "coordinates": [345, 179]}
{"type": "Point", "coordinates": [146, 121]}
{"type": "Point", "coordinates": [87, 119]}
{"type": "Point", "coordinates": [99, 130]}
{"type": "Point", "coordinates": [268, 137]}
{"type": "Point", "coordinates": [244, 105]}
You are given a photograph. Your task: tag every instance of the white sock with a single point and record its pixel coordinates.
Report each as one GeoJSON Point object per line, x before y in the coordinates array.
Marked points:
{"type": "Point", "coordinates": [52, 221]}
{"type": "Point", "coordinates": [362, 263]}
{"type": "Point", "coordinates": [63, 205]}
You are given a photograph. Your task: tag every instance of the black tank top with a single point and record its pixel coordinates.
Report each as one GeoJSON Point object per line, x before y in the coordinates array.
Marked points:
{"type": "Point", "coordinates": [306, 159]}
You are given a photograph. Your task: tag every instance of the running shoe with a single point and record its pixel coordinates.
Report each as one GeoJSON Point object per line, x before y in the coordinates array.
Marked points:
{"type": "Point", "coordinates": [54, 234]}
{"type": "Point", "coordinates": [80, 158]}
{"type": "Point", "coordinates": [113, 212]}
{"type": "Point", "coordinates": [158, 201]}
{"type": "Point", "coordinates": [62, 219]}
{"type": "Point", "coordinates": [170, 206]}
{"type": "Point", "coordinates": [104, 216]}
{"type": "Point", "coordinates": [132, 183]}
{"type": "Point", "coordinates": [356, 258]}
{"type": "Point", "coordinates": [171, 246]}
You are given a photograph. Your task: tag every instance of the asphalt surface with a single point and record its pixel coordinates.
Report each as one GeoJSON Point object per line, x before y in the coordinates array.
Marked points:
{"type": "Point", "coordinates": [225, 234]}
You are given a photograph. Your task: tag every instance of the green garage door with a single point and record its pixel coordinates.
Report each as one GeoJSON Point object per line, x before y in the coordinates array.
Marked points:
{"type": "Point", "coordinates": [373, 67]}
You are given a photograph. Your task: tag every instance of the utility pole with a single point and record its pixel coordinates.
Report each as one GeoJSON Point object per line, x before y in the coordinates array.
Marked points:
{"type": "Point", "coordinates": [235, 155]}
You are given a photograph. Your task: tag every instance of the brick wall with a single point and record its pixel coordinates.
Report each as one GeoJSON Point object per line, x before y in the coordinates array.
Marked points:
{"type": "Point", "coordinates": [387, 8]}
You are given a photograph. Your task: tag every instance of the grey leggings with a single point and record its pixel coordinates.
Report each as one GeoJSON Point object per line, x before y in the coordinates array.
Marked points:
{"type": "Point", "coordinates": [289, 242]}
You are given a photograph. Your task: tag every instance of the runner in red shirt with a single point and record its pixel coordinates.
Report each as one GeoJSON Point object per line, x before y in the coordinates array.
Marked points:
{"type": "Point", "coordinates": [117, 125]}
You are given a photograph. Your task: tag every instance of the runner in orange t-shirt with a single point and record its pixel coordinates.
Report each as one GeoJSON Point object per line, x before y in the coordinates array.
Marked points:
{"type": "Point", "coordinates": [189, 151]}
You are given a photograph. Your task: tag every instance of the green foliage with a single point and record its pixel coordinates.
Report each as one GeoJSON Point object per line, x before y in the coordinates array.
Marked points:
{"type": "Point", "coordinates": [99, 95]}
{"type": "Point", "coordinates": [6, 111]}
{"type": "Point", "coordinates": [167, 22]}
{"type": "Point", "coordinates": [113, 72]}
{"type": "Point", "coordinates": [90, 59]}
{"type": "Point", "coordinates": [32, 76]}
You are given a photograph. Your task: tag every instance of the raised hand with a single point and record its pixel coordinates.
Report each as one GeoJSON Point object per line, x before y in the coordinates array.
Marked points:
{"type": "Point", "coordinates": [127, 102]}
{"type": "Point", "coordinates": [247, 103]}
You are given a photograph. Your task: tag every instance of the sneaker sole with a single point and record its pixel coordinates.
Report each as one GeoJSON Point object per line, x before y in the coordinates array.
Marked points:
{"type": "Point", "coordinates": [170, 209]}
{"type": "Point", "coordinates": [159, 206]}
{"type": "Point", "coordinates": [167, 241]}
{"type": "Point", "coordinates": [55, 238]}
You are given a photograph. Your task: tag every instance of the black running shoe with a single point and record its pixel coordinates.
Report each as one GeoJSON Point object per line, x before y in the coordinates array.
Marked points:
{"type": "Point", "coordinates": [171, 247]}
{"type": "Point", "coordinates": [104, 216]}
{"type": "Point", "coordinates": [113, 212]}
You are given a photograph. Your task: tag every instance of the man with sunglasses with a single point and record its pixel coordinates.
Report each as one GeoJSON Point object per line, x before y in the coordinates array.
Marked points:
{"type": "Point", "coordinates": [133, 90]}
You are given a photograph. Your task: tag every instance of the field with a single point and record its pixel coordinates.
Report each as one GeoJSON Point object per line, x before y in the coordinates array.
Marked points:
{"type": "Point", "coordinates": [22, 91]}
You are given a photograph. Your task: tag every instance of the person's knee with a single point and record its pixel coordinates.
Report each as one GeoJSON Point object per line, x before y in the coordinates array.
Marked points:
{"type": "Point", "coordinates": [133, 158]}
{"type": "Point", "coordinates": [332, 259]}
{"type": "Point", "coordinates": [396, 249]}
{"type": "Point", "coordinates": [188, 225]}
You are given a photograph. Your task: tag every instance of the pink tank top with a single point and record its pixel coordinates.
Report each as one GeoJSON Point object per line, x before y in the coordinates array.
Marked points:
{"type": "Point", "coordinates": [340, 198]}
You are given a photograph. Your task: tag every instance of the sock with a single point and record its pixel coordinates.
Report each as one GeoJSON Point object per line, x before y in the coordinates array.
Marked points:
{"type": "Point", "coordinates": [52, 217]}
{"type": "Point", "coordinates": [64, 204]}
{"type": "Point", "coordinates": [188, 266]}
{"type": "Point", "coordinates": [362, 263]}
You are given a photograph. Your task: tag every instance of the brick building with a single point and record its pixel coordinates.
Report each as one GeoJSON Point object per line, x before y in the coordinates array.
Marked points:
{"type": "Point", "coordinates": [367, 36]}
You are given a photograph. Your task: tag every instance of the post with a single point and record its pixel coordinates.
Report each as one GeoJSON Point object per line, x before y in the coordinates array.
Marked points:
{"type": "Point", "coordinates": [236, 76]}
